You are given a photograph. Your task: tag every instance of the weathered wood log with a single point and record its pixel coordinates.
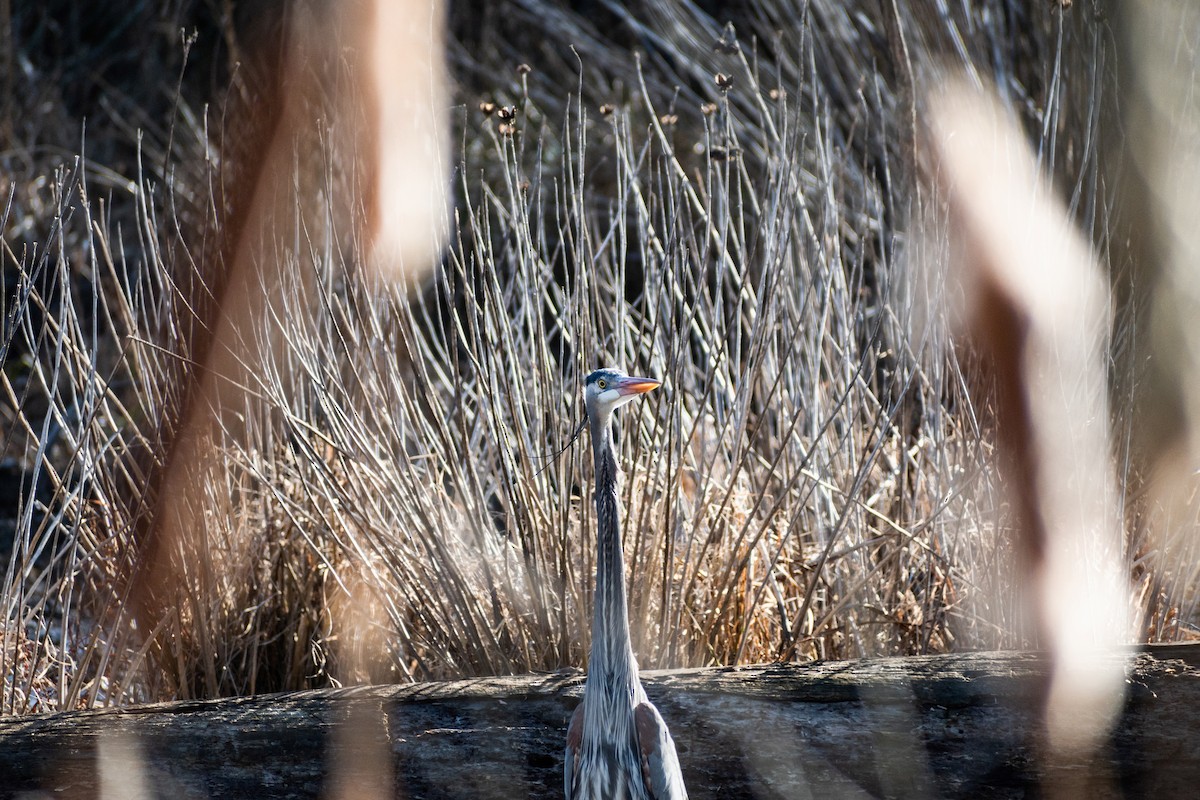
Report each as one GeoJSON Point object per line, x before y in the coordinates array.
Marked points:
{"type": "Point", "coordinates": [936, 726]}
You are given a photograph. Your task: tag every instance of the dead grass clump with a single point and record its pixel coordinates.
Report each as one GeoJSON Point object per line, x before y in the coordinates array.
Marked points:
{"type": "Point", "coordinates": [812, 481]}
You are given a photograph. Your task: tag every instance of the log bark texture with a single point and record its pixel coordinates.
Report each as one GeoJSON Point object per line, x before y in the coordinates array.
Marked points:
{"type": "Point", "coordinates": [937, 726]}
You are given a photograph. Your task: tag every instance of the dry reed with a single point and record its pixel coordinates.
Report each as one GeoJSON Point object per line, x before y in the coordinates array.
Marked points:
{"type": "Point", "coordinates": [812, 482]}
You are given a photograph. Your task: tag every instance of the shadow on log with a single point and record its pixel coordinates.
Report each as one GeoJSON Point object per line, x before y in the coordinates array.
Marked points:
{"type": "Point", "coordinates": [934, 726]}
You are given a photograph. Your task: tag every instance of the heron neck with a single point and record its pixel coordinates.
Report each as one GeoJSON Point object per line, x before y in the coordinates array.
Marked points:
{"type": "Point", "coordinates": [612, 657]}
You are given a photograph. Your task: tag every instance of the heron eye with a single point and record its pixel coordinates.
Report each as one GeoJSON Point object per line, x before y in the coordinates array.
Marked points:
{"type": "Point", "coordinates": [601, 383]}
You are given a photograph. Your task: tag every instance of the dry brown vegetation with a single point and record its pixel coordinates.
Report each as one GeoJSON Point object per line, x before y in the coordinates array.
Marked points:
{"type": "Point", "coordinates": [813, 481]}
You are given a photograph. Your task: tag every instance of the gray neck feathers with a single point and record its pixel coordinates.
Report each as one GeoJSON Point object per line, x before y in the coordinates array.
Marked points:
{"type": "Point", "coordinates": [611, 668]}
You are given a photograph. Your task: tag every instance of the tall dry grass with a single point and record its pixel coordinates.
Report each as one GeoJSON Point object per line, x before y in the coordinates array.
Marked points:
{"type": "Point", "coordinates": [813, 480]}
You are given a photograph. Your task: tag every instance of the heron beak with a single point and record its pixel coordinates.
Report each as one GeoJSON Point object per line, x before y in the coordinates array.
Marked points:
{"type": "Point", "coordinates": [631, 385]}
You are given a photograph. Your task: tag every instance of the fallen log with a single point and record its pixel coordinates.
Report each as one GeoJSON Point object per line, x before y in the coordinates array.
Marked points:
{"type": "Point", "coordinates": [934, 726]}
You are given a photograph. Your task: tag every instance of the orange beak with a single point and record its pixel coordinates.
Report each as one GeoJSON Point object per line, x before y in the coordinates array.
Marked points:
{"type": "Point", "coordinates": [631, 385]}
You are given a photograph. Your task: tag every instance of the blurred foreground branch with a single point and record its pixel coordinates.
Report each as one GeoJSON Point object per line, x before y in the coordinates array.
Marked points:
{"type": "Point", "coordinates": [934, 726]}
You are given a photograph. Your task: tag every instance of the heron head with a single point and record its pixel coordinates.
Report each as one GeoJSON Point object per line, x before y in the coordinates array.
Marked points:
{"type": "Point", "coordinates": [608, 389]}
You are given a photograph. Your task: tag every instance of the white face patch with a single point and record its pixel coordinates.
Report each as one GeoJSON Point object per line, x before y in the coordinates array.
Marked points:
{"type": "Point", "coordinates": [608, 396]}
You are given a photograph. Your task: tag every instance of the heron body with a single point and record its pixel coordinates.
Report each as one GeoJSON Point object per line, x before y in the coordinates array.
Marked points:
{"type": "Point", "coordinates": [618, 747]}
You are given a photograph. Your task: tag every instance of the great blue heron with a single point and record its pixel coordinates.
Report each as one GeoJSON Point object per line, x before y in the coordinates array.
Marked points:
{"type": "Point", "coordinates": [618, 747]}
